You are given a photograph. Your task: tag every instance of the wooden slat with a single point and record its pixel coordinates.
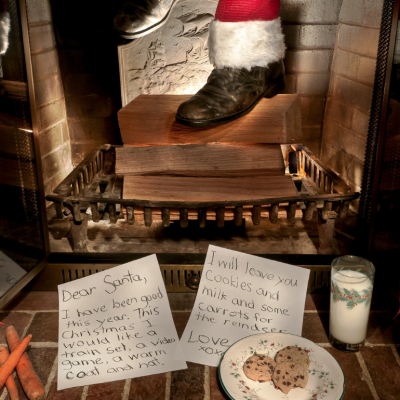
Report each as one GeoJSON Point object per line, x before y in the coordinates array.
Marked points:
{"type": "Point", "coordinates": [155, 188]}
{"type": "Point", "coordinates": [151, 120]}
{"type": "Point", "coordinates": [201, 160]}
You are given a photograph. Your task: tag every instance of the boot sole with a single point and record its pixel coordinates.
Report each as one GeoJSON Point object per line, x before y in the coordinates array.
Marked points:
{"type": "Point", "coordinates": [269, 93]}
{"type": "Point", "coordinates": [144, 32]}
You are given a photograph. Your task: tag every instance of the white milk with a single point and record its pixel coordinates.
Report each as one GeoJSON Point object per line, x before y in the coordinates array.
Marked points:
{"type": "Point", "coordinates": [350, 325]}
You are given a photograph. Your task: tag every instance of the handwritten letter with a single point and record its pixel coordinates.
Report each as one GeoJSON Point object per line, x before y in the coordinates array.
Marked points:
{"type": "Point", "coordinates": [10, 273]}
{"type": "Point", "coordinates": [116, 324]}
{"type": "Point", "coordinates": [242, 295]}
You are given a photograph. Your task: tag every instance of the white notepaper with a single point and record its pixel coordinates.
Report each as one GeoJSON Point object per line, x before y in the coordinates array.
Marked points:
{"type": "Point", "coordinates": [241, 295]}
{"type": "Point", "coordinates": [116, 324]}
{"type": "Point", "coordinates": [10, 273]}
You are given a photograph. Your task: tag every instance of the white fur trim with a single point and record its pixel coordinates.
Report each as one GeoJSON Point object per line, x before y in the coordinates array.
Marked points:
{"type": "Point", "coordinates": [4, 30]}
{"type": "Point", "coordinates": [245, 44]}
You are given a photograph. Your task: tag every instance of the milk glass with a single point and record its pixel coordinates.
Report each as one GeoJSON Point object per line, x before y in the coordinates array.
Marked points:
{"type": "Point", "coordinates": [352, 280]}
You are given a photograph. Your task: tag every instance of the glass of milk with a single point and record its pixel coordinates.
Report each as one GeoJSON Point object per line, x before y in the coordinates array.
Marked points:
{"type": "Point", "coordinates": [352, 280]}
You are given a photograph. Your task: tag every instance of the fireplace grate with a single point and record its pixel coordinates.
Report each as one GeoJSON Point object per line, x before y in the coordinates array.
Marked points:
{"type": "Point", "coordinates": [178, 278]}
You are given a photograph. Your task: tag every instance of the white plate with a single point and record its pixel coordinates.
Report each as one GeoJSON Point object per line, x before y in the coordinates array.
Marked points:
{"type": "Point", "coordinates": [325, 376]}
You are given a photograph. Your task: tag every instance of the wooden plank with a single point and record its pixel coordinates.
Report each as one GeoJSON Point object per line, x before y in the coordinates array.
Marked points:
{"type": "Point", "coordinates": [151, 120]}
{"type": "Point", "coordinates": [201, 160]}
{"type": "Point", "coordinates": [170, 188]}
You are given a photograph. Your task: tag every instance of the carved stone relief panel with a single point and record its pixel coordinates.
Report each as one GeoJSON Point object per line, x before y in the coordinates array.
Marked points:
{"type": "Point", "coordinates": [172, 59]}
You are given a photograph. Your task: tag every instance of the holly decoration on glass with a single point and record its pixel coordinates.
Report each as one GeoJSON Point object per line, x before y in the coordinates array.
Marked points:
{"type": "Point", "coordinates": [351, 296]}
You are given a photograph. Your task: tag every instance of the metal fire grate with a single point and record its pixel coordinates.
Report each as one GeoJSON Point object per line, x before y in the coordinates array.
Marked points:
{"type": "Point", "coordinates": [177, 278]}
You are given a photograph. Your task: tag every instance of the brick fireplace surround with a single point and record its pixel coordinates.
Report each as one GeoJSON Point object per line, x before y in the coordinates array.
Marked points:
{"type": "Point", "coordinates": [330, 63]}
{"type": "Point", "coordinates": [372, 374]}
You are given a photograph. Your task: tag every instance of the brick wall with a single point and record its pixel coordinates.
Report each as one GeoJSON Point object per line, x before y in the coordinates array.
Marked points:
{"type": "Point", "coordinates": [50, 101]}
{"type": "Point", "coordinates": [350, 90]}
{"type": "Point", "coordinates": [87, 48]}
{"type": "Point", "coordinates": [310, 29]}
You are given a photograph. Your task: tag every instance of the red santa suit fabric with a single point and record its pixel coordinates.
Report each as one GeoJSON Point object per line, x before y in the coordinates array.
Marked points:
{"type": "Point", "coordinates": [247, 10]}
{"type": "Point", "coordinates": [245, 34]}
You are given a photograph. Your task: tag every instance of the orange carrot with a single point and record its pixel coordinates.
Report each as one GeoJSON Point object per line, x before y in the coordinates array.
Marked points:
{"type": "Point", "coordinates": [12, 361]}
{"type": "Point", "coordinates": [10, 383]}
{"type": "Point", "coordinates": [30, 382]}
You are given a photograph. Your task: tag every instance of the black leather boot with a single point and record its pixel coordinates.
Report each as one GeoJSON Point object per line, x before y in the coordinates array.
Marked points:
{"type": "Point", "coordinates": [230, 94]}
{"type": "Point", "coordinates": [138, 18]}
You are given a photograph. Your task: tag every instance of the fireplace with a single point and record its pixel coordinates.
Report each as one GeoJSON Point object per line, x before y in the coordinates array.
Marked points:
{"type": "Point", "coordinates": [81, 75]}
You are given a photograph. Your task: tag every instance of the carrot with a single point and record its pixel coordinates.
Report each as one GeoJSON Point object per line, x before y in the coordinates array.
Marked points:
{"type": "Point", "coordinates": [10, 383]}
{"type": "Point", "coordinates": [12, 361]}
{"type": "Point", "coordinates": [30, 382]}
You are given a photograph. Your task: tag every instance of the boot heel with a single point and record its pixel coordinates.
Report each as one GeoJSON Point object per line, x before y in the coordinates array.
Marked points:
{"type": "Point", "coordinates": [276, 89]}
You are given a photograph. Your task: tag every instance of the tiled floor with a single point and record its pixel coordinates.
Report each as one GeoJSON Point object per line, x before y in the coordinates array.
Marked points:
{"type": "Point", "coordinates": [373, 373]}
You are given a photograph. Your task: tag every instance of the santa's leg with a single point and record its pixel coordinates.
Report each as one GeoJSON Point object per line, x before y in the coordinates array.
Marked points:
{"type": "Point", "coordinates": [4, 27]}
{"type": "Point", "coordinates": [138, 18]}
{"type": "Point", "coordinates": [246, 47]}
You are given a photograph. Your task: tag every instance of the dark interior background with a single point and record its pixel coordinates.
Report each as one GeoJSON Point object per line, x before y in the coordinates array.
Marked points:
{"type": "Point", "coordinates": [87, 50]}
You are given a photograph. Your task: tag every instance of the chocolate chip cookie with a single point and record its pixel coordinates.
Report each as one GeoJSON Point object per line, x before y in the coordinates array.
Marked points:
{"type": "Point", "coordinates": [293, 354]}
{"type": "Point", "coordinates": [259, 367]}
{"type": "Point", "coordinates": [288, 375]}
